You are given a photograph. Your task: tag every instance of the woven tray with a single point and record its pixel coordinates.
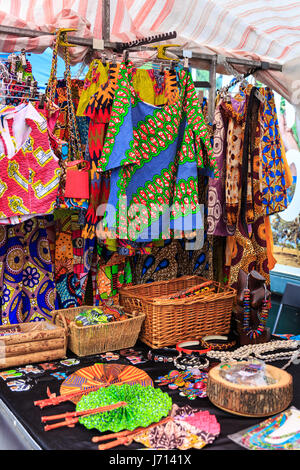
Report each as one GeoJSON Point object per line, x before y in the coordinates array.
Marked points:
{"type": "Point", "coordinates": [95, 339]}
{"type": "Point", "coordinates": [169, 321]}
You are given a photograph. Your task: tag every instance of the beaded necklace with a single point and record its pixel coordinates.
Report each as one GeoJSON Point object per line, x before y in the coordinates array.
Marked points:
{"type": "Point", "coordinates": [264, 351]}
{"type": "Point", "coordinates": [75, 151]}
{"type": "Point", "coordinates": [263, 316]}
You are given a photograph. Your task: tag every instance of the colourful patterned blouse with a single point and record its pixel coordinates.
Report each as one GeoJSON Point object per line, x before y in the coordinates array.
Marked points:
{"type": "Point", "coordinates": [29, 170]}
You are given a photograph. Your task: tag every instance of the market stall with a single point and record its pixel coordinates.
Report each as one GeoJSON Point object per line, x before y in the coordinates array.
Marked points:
{"type": "Point", "coordinates": [136, 244]}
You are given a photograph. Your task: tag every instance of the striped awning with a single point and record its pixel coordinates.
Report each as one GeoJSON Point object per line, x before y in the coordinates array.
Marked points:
{"type": "Point", "coordinates": [266, 30]}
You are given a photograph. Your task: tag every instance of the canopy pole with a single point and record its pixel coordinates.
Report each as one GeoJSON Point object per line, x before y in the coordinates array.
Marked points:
{"type": "Point", "coordinates": [106, 20]}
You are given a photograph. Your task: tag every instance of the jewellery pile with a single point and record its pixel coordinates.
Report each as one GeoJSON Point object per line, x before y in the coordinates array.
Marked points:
{"type": "Point", "coordinates": [196, 388]}
{"type": "Point", "coordinates": [264, 351]}
{"type": "Point", "coordinates": [190, 384]}
{"type": "Point", "coordinates": [174, 379]}
{"type": "Point", "coordinates": [191, 356]}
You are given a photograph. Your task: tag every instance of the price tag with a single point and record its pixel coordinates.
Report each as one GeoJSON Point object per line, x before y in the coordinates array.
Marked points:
{"type": "Point", "coordinates": [259, 96]}
{"type": "Point", "coordinates": [98, 44]}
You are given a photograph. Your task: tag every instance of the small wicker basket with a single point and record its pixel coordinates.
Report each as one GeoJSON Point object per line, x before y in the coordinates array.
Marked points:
{"type": "Point", "coordinates": [169, 321]}
{"type": "Point", "coordinates": [95, 339]}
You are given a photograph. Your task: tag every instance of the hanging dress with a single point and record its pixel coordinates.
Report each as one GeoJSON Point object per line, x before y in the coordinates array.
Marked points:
{"type": "Point", "coordinates": [98, 112]}
{"type": "Point", "coordinates": [154, 154]}
{"type": "Point", "coordinates": [216, 217]}
{"type": "Point", "coordinates": [274, 176]}
{"type": "Point", "coordinates": [111, 270]}
{"type": "Point", "coordinates": [149, 85]}
{"type": "Point", "coordinates": [174, 258]}
{"type": "Point", "coordinates": [247, 248]}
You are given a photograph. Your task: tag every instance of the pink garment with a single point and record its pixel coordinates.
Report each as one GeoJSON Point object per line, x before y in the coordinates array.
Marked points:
{"type": "Point", "coordinates": [29, 170]}
{"type": "Point", "coordinates": [51, 115]}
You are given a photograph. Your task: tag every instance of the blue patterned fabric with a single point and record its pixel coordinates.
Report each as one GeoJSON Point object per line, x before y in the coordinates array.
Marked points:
{"type": "Point", "coordinates": [274, 185]}
{"type": "Point", "coordinates": [26, 273]}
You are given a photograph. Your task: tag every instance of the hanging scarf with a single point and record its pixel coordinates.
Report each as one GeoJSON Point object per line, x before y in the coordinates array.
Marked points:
{"type": "Point", "coordinates": [247, 170]}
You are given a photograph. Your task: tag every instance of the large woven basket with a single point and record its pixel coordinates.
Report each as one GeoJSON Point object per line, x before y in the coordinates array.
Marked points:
{"type": "Point", "coordinates": [169, 321]}
{"type": "Point", "coordinates": [95, 339]}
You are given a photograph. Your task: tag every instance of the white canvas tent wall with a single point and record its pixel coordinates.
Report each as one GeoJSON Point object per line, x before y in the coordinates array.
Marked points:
{"type": "Point", "coordinates": [258, 30]}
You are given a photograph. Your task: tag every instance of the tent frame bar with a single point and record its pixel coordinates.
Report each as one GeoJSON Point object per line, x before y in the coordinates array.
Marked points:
{"type": "Point", "coordinates": [210, 59]}
{"type": "Point", "coordinates": [88, 42]}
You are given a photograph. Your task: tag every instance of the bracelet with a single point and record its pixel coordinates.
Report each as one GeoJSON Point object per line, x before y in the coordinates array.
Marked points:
{"type": "Point", "coordinates": [181, 347]}
{"type": "Point", "coordinates": [190, 362]}
{"type": "Point", "coordinates": [159, 355]}
{"type": "Point", "coordinates": [208, 341]}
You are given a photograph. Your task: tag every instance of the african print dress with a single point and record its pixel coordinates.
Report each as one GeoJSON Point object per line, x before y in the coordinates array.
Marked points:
{"type": "Point", "coordinates": [216, 200]}
{"type": "Point", "coordinates": [274, 177]}
{"type": "Point", "coordinates": [150, 85]}
{"type": "Point", "coordinates": [247, 248]}
{"type": "Point", "coordinates": [154, 155]}
{"type": "Point", "coordinates": [111, 269]}
{"type": "Point", "coordinates": [98, 112]}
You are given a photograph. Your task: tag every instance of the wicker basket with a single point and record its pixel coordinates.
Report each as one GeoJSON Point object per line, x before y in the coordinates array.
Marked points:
{"type": "Point", "coordinates": [95, 339]}
{"type": "Point", "coordinates": [169, 321]}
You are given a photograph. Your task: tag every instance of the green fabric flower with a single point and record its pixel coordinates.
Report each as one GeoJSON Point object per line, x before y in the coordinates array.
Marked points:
{"type": "Point", "coordinates": [145, 405]}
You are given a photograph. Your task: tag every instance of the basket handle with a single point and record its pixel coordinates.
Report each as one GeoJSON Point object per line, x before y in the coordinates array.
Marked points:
{"type": "Point", "coordinates": [62, 317]}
